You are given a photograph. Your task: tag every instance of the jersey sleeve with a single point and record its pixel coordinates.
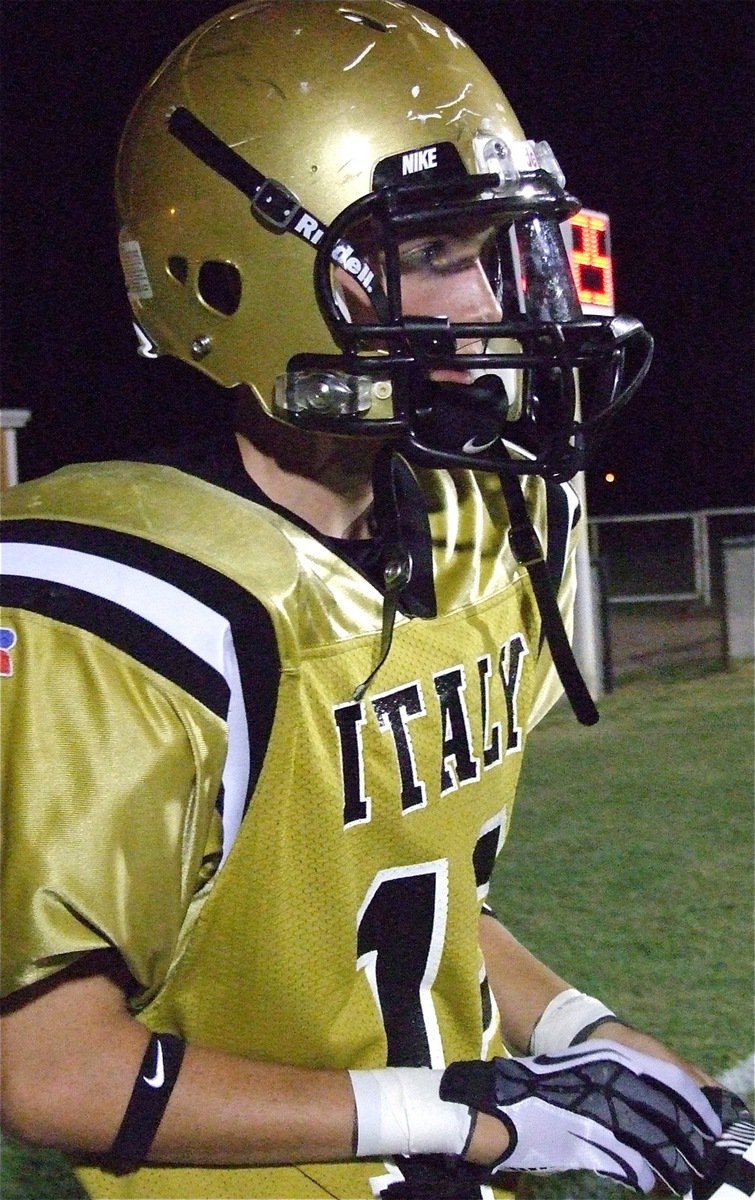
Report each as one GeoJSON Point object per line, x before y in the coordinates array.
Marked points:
{"type": "Point", "coordinates": [110, 779]}
{"type": "Point", "coordinates": [564, 532]}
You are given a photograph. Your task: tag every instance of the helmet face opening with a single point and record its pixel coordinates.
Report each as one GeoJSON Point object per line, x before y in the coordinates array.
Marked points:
{"type": "Point", "coordinates": [454, 305]}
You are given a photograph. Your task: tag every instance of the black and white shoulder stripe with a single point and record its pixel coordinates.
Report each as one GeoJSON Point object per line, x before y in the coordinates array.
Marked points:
{"type": "Point", "coordinates": [191, 624]}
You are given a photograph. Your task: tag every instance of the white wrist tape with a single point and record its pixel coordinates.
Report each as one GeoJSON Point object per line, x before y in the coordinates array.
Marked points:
{"type": "Point", "coordinates": [399, 1111]}
{"type": "Point", "coordinates": [569, 1013]}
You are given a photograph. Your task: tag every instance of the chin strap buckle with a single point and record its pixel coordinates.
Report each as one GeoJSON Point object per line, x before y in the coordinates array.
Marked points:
{"type": "Point", "coordinates": [525, 545]}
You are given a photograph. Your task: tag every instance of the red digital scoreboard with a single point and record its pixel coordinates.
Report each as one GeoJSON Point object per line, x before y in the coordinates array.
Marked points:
{"type": "Point", "coordinates": [588, 241]}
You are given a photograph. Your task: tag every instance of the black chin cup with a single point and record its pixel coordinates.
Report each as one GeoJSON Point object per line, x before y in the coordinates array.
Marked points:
{"type": "Point", "coordinates": [468, 424]}
{"type": "Point", "coordinates": [460, 418]}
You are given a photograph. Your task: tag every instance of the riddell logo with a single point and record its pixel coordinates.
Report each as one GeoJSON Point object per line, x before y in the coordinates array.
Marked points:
{"type": "Point", "coordinates": [344, 254]}
{"type": "Point", "coordinates": [310, 229]}
{"type": "Point", "coordinates": [419, 160]}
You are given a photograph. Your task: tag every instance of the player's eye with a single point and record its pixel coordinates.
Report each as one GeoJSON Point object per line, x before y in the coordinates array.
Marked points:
{"type": "Point", "coordinates": [442, 255]}
{"type": "Point", "coordinates": [425, 256]}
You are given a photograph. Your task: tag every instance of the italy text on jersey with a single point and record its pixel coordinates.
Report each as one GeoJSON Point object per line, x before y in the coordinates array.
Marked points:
{"type": "Point", "coordinates": [461, 749]}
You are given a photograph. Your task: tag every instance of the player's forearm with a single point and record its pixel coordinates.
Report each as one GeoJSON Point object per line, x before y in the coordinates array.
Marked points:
{"type": "Point", "coordinates": [222, 1110]}
{"type": "Point", "coordinates": [521, 984]}
{"type": "Point", "coordinates": [229, 1110]}
{"type": "Point", "coordinates": [72, 1055]}
{"type": "Point", "coordinates": [523, 987]}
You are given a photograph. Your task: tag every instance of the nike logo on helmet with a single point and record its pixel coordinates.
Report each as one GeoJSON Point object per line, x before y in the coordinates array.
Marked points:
{"type": "Point", "coordinates": [158, 1079]}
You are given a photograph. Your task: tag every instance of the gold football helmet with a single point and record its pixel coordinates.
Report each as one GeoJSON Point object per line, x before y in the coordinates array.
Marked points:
{"type": "Point", "coordinates": [279, 160]}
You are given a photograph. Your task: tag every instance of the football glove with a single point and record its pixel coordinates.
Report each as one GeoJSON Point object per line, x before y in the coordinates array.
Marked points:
{"type": "Point", "coordinates": [729, 1172]}
{"type": "Point", "coordinates": [599, 1107]}
{"type": "Point", "coordinates": [436, 1177]}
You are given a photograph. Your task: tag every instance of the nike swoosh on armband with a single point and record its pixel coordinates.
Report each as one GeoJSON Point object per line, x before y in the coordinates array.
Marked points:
{"type": "Point", "coordinates": [158, 1079]}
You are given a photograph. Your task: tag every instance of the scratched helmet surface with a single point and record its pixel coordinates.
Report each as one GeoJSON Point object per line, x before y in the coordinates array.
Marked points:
{"type": "Point", "coordinates": [274, 133]}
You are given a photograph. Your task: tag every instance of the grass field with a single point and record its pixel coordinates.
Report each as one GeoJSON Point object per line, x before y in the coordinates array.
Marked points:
{"type": "Point", "coordinates": [629, 866]}
{"type": "Point", "coordinates": [629, 869]}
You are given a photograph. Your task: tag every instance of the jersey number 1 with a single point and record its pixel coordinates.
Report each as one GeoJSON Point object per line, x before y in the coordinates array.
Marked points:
{"type": "Point", "coordinates": [401, 928]}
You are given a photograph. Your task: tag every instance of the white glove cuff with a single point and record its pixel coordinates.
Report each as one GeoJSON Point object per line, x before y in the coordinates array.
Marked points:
{"type": "Point", "coordinates": [399, 1111]}
{"type": "Point", "coordinates": [568, 1015]}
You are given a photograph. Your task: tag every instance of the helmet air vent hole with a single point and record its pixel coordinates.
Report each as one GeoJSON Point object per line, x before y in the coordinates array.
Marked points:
{"type": "Point", "coordinates": [360, 18]}
{"type": "Point", "coordinates": [178, 268]}
{"type": "Point", "coordinates": [219, 286]}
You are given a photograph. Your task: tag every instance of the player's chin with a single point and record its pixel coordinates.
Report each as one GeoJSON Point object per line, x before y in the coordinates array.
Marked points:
{"type": "Point", "coordinates": [452, 376]}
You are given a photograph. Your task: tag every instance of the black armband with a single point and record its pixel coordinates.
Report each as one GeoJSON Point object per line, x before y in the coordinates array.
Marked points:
{"type": "Point", "coordinates": [152, 1090]}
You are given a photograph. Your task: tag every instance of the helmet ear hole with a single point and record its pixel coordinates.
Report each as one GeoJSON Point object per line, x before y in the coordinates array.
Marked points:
{"type": "Point", "coordinates": [219, 286]}
{"type": "Point", "coordinates": [178, 268]}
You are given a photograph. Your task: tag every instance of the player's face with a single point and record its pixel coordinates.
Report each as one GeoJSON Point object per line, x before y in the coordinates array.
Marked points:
{"type": "Point", "coordinates": [442, 275]}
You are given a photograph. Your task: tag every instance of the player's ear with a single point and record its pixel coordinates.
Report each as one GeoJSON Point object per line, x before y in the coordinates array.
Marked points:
{"type": "Point", "coordinates": [351, 299]}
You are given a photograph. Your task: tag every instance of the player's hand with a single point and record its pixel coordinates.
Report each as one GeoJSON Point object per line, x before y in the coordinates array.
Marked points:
{"type": "Point", "coordinates": [729, 1171]}
{"type": "Point", "coordinates": [598, 1107]}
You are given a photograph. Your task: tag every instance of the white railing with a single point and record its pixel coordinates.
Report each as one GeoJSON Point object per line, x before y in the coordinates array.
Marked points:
{"type": "Point", "coordinates": [11, 419]}
{"type": "Point", "coordinates": [700, 549]}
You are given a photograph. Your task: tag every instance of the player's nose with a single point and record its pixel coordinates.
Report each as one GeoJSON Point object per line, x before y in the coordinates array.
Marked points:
{"type": "Point", "coordinates": [475, 299]}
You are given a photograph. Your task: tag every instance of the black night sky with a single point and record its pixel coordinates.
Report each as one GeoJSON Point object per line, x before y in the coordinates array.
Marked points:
{"type": "Point", "coordinates": [647, 103]}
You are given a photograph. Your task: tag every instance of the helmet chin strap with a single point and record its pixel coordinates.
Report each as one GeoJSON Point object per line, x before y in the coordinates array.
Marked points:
{"type": "Point", "coordinates": [397, 564]}
{"type": "Point", "coordinates": [527, 550]}
{"type": "Point", "coordinates": [445, 424]}
{"type": "Point", "coordinates": [525, 544]}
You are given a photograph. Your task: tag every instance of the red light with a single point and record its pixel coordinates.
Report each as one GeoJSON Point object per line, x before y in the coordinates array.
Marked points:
{"type": "Point", "coordinates": [591, 259]}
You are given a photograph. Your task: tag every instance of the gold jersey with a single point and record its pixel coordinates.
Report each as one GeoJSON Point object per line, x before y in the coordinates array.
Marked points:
{"type": "Point", "coordinates": [291, 870]}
